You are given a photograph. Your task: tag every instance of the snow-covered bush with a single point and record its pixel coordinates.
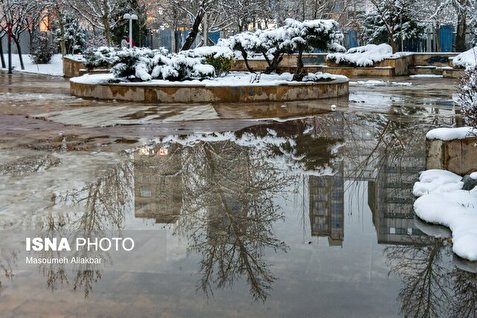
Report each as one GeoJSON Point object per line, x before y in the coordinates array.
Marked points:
{"type": "Point", "coordinates": [102, 57]}
{"type": "Point", "coordinates": [221, 58]}
{"type": "Point", "coordinates": [42, 50]}
{"type": "Point", "coordinates": [466, 59]}
{"type": "Point", "coordinates": [143, 64]}
{"type": "Point", "coordinates": [467, 92]}
{"type": "Point", "coordinates": [133, 62]}
{"type": "Point", "coordinates": [293, 37]}
{"type": "Point", "coordinates": [366, 55]}
{"type": "Point", "coordinates": [106, 57]}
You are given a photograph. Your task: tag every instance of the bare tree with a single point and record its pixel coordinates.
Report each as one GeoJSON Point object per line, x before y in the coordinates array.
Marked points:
{"type": "Point", "coordinates": [21, 16]}
{"type": "Point", "coordinates": [99, 14]}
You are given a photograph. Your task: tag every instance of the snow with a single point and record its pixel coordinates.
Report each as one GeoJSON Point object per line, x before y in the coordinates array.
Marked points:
{"type": "Point", "coordinates": [214, 51]}
{"type": "Point", "coordinates": [443, 202]}
{"type": "Point", "coordinates": [473, 175]}
{"type": "Point", "coordinates": [232, 79]}
{"type": "Point", "coordinates": [402, 54]}
{"type": "Point", "coordinates": [436, 180]}
{"type": "Point", "coordinates": [371, 83]}
{"type": "Point", "coordinates": [92, 79]}
{"type": "Point", "coordinates": [55, 67]}
{"type": "Point", "coordinates": [318, 76]}
{"type": "Point", "coordinates": [425, 76]}
{"type": "Point", "coordinates": [289, 37]}
{"type": "Point", "coordinates": [466, 59]}
{"type": "Point", "coordinates": [451, 133]}
{"type": "Point", "coordinates": [76, 57]}
{"type": "Point", "coordinates": [362, 56]}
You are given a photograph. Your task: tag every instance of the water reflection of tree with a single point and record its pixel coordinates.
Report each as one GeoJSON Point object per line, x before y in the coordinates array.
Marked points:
{"type": "Point", "coordinates": [432, 286]}
{"type": "Point", "coordinates": [228, 214]}
{"type": "Point", "coordinates": [94, 211]}
{"type": "Point", "coordinates": [422, 268]}
{"type": "Point", "coordinates": [8, 259]}
{"type": "Point", "coordinates": [464, 294]}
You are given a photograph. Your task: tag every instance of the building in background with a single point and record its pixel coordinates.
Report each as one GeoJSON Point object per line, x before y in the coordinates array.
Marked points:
{"type": "Point", "coordinates": [158, 185]}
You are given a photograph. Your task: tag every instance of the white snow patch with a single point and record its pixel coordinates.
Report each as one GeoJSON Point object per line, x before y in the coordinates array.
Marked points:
{"type": "Point", "coordinates": [92, 79]}
{"type": "Point", "coordinates": [76, 57]}
{"type": "Point", "coordinates": [425, 76]}
{"type": "Point", "coordinates": [451, 207]}
{"type": "Point", "coordinates": [55, 67]}
{"type": "Point", "coordinates": [232, 79]}
{"type": "Point", "coordinates": [466, 59]}
{"type": "Point", "coordinates": [451, 133]}
{"type": "Point", "coordinates": [372, 83]}
{"type": "Point", "coordinates": [436, 180]}
{"type": "Point", "coordinates": [362, 56]}
{"type": "Point", "coordinates": [473, 175]}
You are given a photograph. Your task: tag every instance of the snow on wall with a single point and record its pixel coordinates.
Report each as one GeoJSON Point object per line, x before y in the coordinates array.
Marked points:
{"type": "Point", "coordinates": [362, 56]}
{"type": "Point", "coordinates": [451, 133]}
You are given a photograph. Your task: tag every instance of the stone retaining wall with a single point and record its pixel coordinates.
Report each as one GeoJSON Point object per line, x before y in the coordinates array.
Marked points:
{"type": "Point", "coordinates": [197, 93]}
{"type": "Point", "coordinates": [71, 68]}
{"type": "Point", "coordinates": [417, 63]}
{"type": "Point", "coordinates": [458, 156]}
{"type": "Point", "coordinates": [433, 58]}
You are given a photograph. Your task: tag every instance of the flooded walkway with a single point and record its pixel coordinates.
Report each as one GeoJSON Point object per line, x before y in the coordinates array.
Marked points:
{"type": "Point", "coordinates": [267, 210]}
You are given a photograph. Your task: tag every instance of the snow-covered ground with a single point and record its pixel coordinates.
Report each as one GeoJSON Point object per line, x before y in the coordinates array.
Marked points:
{"type": "Point", "coordinates": [232, 79]}
{"type": "Point", "coordinates": [442, 201]}
{"type": "Point", "coordinates": [55, 67]}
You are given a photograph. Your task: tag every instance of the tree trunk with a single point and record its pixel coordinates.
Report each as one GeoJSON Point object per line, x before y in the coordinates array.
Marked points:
{"type": "Point", "coordinates": [195, 30]}
{"type": "Point", "coordinates": [460, 34]}
{"type": "Point", "coordinates": [2, 58]}
{"type": "Point", "coordinates": [245, 59]}
{"type": "Point", "coordinates": [205, 30]}
{"type": "Point", "coordinates": [107, 30]}
{"type": "Point", "coordinates": [19, 49]}
{"type": "Point", "coordinates": [273, 65]}
{"type": "Point", "coordinates": [62, 37]}
{"type": "Point", "coordinates": [392, 42]}
{"type": "Point", "coordinates": [298, 75]}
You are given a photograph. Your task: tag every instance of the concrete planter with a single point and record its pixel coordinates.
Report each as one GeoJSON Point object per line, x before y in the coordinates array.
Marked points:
{"type": "Point", "coordinates": [197, 93]}
{"type": "Point", "coordinates": [458, 156]}
{"type": "Point", "coordinates": [71, 67]}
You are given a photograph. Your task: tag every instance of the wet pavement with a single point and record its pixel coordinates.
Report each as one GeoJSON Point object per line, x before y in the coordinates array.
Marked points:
{"type": "Point", "coordinates": [263, 210]}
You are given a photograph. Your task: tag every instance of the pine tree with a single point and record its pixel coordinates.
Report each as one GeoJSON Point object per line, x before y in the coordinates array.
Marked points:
{"type": "Point", "coordinates": [74, 35]}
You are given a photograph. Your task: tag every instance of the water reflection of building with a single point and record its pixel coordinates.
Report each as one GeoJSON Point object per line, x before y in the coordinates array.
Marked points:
{"type": "Point", "coordinates": [327, 206]}
{"type": "Point", "coordinates": [391, 200]}
{"type": "Point", "coordinates": [158, 184]}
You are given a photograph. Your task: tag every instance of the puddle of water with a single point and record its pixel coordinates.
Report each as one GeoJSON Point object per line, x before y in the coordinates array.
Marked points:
{"type": "Point", "coordinates": [271, 219]}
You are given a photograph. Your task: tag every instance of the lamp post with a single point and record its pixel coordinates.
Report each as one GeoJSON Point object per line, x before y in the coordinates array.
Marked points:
{"type": "Point", "coordinates": [130, 17]}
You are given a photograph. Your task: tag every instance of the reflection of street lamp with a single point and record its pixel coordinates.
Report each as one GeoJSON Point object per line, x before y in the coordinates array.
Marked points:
{"type": "Point", "coordinates": [130, 17]}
